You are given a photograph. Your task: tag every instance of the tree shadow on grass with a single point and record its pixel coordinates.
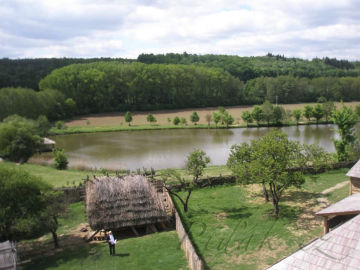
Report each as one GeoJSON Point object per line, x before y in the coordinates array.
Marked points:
{"type": "Point", "coordinates": [237, 212]}
{"type": "Point", "coordinates": [301, 196]}
{"type": "Point", "coordinates": [43, 255]}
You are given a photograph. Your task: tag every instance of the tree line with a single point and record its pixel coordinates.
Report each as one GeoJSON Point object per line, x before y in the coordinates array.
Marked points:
{"type": "Point", "coordinates": [31, 104]}
{"type": "Point", "coordinates": [27, 73]}
{"type": "Point", "coordinates": [246, 68]}
{"type": "Point", "coordinates": [105, 87]}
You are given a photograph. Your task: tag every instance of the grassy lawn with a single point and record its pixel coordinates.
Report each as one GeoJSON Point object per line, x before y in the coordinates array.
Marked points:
{"type": "Point", "coordinates": [71, 177]}
{"type": "Point", "coordinates": [51, 175]}
{"type": "Point", "coordinates": [232, 227]}
{"type": "Point", "coordinates": [154, 251]}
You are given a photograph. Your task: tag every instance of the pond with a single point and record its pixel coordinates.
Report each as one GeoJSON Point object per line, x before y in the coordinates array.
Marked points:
{"type": "Point", "coordinates": [169, 148]}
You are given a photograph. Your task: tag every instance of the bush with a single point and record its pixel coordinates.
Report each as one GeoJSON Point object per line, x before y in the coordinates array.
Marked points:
{"type": "Point", "coordinates": [60, 158]}
{"type": "Point", "coordinates": [60, 125]}
{"type": "Point", "coordinates": [176, 120]}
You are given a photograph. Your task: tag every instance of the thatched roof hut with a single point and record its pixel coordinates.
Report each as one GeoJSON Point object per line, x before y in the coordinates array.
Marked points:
{"type": "Point", "coordinates": [118, 202]}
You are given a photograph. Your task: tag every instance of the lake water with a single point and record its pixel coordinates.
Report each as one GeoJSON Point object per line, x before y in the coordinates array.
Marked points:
{"type": "Point", "coordinates": [169, 148]}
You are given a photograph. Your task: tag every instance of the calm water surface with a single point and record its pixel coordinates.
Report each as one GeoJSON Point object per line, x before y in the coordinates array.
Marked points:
{"type": "Point", "coordinates": [168, 148]}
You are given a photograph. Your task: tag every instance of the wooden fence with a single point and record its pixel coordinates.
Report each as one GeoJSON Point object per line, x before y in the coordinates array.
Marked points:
{"type": "Point", "coordinates": [195, 263]}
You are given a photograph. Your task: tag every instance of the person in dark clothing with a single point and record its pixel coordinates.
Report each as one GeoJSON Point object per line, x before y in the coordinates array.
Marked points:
{"type": "Point", "coordinates": [111, 240]}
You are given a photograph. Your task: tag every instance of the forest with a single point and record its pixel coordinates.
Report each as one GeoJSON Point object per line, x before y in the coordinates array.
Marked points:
{"type": "Point", "coordinates": [62, 88]}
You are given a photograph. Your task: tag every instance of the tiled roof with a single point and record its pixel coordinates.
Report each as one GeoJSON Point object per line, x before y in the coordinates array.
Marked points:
{"type": "Point", "coordinates": [354, 171]}
{"type": "Point", "coordinates": [349, 205]}
{"type": "Point", "coordinates": [337, 250]}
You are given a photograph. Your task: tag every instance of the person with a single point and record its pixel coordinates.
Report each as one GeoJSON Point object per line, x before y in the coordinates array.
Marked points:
{"type": "Point", "coordinates": [112, 242]}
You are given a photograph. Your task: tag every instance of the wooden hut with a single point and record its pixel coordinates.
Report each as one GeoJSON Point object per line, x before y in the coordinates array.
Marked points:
{"type": "Point", "coordinates": [8, 256]}
{"type": "Point", "coordinates": [354, 175]}
{"type": "Point", "coordinates": [47, 145]}
{"type": "Point", "coordinates": [115, 203]}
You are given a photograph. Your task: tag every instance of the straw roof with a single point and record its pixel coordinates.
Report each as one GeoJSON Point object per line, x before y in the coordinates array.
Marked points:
{"type": "Point", "coordinates": [118, 202]}
{"type": "Point", "coordinates": [354, 171]}
{"type": "Point", "coordinates": [339, 249]}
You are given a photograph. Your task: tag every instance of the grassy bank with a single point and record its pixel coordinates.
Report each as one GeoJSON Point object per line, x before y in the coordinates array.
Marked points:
{"type": "Point", "coordinates": [232, 227]}
{"type": "Point", "coordinates": [49, 174]}
{"type": "Point", "coordinates": [70, 177]}
{"type": "Point", "coordinates": [116, 121]}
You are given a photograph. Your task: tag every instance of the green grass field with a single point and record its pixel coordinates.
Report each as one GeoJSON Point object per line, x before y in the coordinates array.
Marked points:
{"type": "Point", "coordinates": [50, 175]}
{"type": "Point", "coordinates": [154, 251]}
{"type": "Point", "coordinates": [232, 227]}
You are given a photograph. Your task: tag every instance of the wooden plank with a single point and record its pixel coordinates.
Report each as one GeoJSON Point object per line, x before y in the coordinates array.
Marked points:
{"type": "Point", "coordinates": [134, 231]}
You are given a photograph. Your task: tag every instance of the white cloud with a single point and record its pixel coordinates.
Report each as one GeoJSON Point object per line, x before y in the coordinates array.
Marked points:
{"type": "Point", "coordinates": [89, 28]}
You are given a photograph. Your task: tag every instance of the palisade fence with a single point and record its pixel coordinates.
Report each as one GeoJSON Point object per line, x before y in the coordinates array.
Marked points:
{"type": "Point", "coordinates": [77, 193]}
{"type": "Point", "coordinates": [195, 262]}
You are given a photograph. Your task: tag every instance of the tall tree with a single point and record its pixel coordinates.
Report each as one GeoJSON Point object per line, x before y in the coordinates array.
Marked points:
{"type": "Point", "coordinates": [257, 114]}
{"type": "Point", "coordinates": [269, 160]}
{"type": "Point", "coordinates": [195, 165]}
{"type": "Point", "coordinates": [308, 112]}
{"type": "Point", "coordinates": [278, 114]}
{"type": "Point", "coordinates": [345, 119]}
{"type": "Point", "coordinates": [268, 112]}
{"type": "Point", "coordinates": [297, 113]}
{"type": "Point", "coordinates": [318, 112]}
{"type": "Point", "coordinates": [247, 117]}
{"type": "Point", "coordinates": [216, 118]}
{"type": "Point", "coordinates": [328, 108]}
{"type": "Point", "coordinates": [28, 206]}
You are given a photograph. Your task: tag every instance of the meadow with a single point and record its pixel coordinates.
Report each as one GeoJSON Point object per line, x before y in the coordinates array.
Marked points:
{"type": "Point", "coordinates": [232, 227]}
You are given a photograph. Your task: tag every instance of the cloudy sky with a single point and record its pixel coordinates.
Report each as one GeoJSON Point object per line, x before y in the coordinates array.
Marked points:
{"type": "Point", "coordinates": [119, 28]}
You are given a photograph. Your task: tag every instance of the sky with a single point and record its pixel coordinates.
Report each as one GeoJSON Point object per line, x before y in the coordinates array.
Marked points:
{"type": "Point", "coordinates": [119, 28]}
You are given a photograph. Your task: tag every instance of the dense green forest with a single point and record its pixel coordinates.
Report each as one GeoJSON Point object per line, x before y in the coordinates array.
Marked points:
{"type": "Point", "coordinates": [27, 73]}
{"type": "Point", "coordinates": [170, 81]}
{"type": "Point", "coordinates": [246, 68]}
{"type": "Point", "coordinates": [111, 86]}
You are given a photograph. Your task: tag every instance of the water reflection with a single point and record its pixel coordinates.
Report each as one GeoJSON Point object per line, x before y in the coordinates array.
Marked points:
{"type": "Point", "coordinates": [169, 148]}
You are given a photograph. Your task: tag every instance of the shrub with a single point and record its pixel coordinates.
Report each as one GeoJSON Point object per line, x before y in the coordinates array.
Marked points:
{"type": "Point", "coordinates": [60, 158]}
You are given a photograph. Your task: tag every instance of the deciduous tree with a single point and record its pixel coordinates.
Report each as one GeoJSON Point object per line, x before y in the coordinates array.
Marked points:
{"type": "Point", "coordinates": [194, 118]}
{"type": "Point", "coordinates": [247, 117]}
{"type": "Point", "coordinates": [272, 160]}
{"type": "Point", "coordinates": [128, 117]}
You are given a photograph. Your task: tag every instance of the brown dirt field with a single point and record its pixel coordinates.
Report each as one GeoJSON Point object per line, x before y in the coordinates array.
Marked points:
{"type": "Point", "coordinates": [139, 118]}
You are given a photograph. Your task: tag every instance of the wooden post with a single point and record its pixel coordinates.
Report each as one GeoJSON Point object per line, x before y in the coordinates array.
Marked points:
{"type": "Point", "coordinates": [134, 230]}
{"type": "Point", "coordinates": [326, 226]}
{"type": "Point", "coordinates": [351, 185]}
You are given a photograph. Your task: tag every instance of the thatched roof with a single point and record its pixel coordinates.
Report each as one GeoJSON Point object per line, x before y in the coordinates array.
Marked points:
{"type": "Point", "coordinates": [118, 202]}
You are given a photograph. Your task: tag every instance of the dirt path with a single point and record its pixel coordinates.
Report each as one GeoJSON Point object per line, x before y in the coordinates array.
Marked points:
{"type": "Point", "coordinates": [324, 202]}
